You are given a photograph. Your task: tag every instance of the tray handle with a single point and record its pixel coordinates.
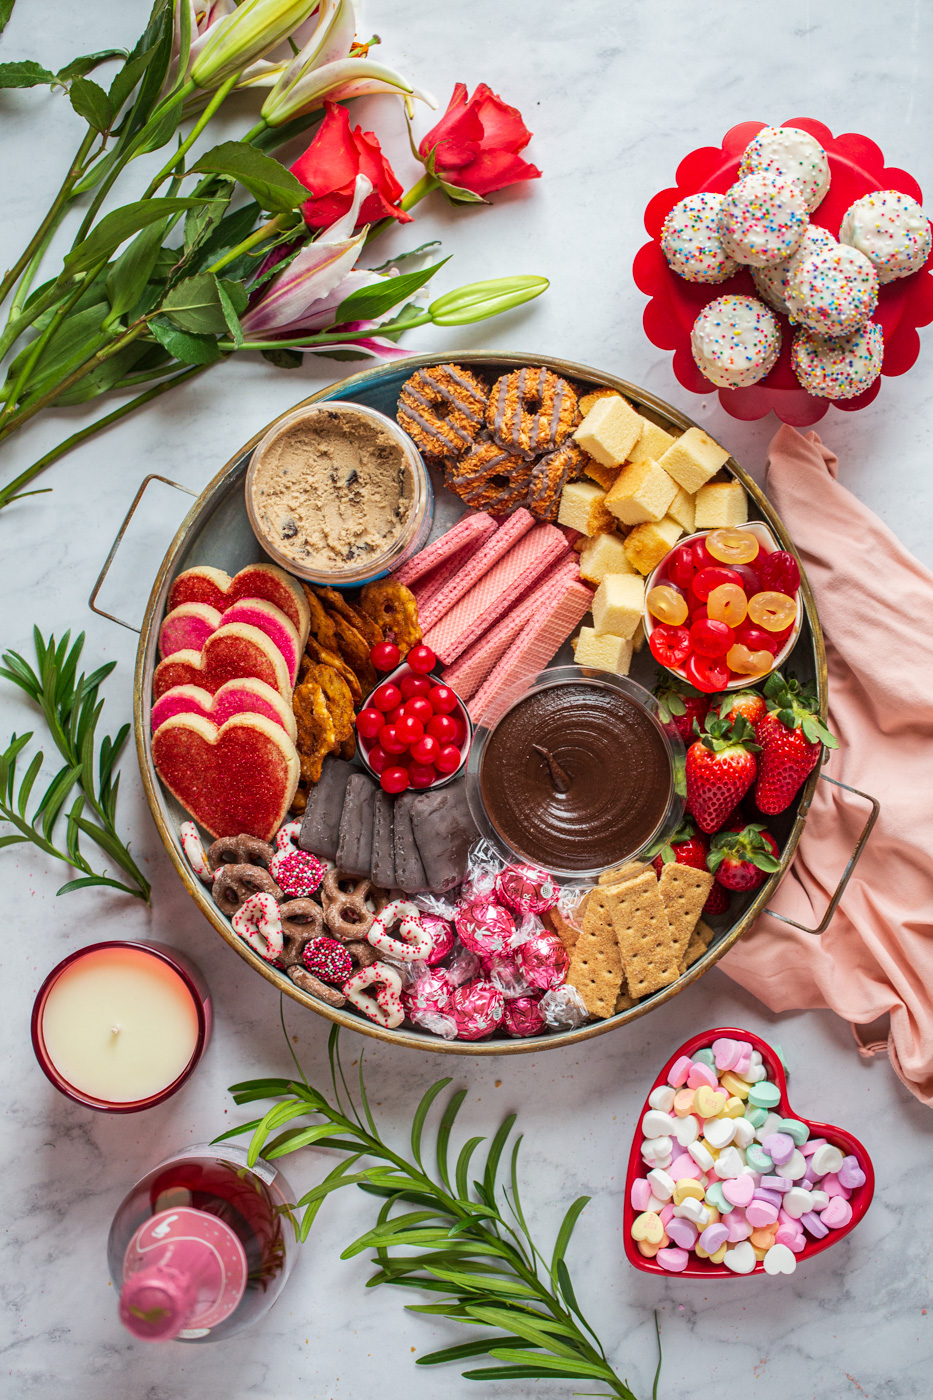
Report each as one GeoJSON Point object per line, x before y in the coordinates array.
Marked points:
{"type": "Point", "coordinates": [101, 577]}
{"type": "Point", "coordinates": [850, 867]}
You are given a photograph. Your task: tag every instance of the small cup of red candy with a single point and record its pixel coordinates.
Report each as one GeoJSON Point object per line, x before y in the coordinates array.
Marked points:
{"type": "Point", "coordinates": [723, 608]}
{"type": "Point", "coordinates": [413, 731]}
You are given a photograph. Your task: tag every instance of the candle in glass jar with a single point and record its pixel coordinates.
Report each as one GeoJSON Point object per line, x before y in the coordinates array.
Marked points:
{"type": "Point", "coordinates": [119, 1024]}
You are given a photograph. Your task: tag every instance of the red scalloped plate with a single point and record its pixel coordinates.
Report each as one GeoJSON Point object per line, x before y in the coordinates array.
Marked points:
{"type": "Point", "coordinates": [860, 1199]}
{"type": "Point", "coordinates": [857, 167]}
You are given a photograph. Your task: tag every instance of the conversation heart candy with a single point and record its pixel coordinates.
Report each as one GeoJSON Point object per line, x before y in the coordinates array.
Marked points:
{"type": "Point", "coordinates": [648, 1227]}
{"type": "Point", "coordinates": [779, 1260]}
{"type": "Point", "coordinates": [739, 1190]}
{"type": "Point", "coordinates": [850, 1174]}
{"type": "Point", "coordinates": [740, 1260]}
{"type": "Point", "coordinates": [708, 1102]}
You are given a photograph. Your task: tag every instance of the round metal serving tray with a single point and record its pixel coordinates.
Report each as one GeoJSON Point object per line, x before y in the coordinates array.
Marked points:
{"type": "Point", "coordinates": [216, 532]}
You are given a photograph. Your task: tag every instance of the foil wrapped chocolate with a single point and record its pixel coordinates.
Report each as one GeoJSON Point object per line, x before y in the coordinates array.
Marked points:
{"type": "Point", "coordinates": [476, 1008]}
{"type": "Point", "coordinates": [526, 889]}
{"type": "Point", "coordinates": [523, 1018]}
{"type": "Point", "coordinates": [485, 927]}
{"type": "Point", "coordinates": [544, 960]}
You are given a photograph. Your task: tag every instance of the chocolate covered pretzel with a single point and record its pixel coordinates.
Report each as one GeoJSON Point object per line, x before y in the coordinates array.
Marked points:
{"type": "Point", "coordinates": [347, 913]}
{"type": "Point", "coordinates": [236, 883]}
{"type": "Point", "coordinates": [239, 850]}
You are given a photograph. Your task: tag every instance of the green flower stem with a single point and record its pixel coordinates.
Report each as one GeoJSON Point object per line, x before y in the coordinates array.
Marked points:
{"type": "Point", "coordinates": [18, 324]}
{"type": "Point", "coordinates": [259, 235]}
{"type": "Point", "coordinates": [13, 489]}
{"type": "Point", "coordinates": [322, 338]}
{"type": "Point", "coordinates": [216, 101]}
{"type": "Point", "coordinates": [409, 199]}
{"type": "Point", "coordinates": [35, 354]}
{"type": "Point", "coordinates": [52, 219]}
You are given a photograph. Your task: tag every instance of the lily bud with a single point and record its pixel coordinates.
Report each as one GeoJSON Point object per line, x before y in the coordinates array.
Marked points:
{"type": "Point", "coordinates": [250, 32]}
{"type": "Point", "coordinates": [479, 300]}
{"type": "Point", "coordinates": [304, 88]}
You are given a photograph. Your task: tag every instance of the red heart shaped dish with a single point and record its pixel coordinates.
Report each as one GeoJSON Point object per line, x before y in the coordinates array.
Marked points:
{"type": "Point", "coordinates": [725, 1179]}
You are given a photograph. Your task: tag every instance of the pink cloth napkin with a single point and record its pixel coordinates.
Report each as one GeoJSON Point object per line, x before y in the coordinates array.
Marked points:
{"type": "Point", "coordinates": [876, 606]}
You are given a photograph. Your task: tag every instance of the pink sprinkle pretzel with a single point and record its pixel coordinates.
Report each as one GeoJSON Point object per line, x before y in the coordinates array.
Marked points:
{"type": "Point", "coordinates": [287, 837]}
{"type": "Point", "coordinates": [416, 942]}
{"type": "Point", "coordinates": [386, 1007]}
{"type": "Point", "coordinates": [258, 921]}
{"type": "Point", "coordinates": [194, 852]}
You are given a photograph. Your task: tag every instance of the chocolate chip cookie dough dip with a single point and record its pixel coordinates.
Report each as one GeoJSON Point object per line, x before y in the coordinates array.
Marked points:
{"type": "Point", "coordinates": [338, 494]}
{"type": "Point", "coordinates": [577, 775]}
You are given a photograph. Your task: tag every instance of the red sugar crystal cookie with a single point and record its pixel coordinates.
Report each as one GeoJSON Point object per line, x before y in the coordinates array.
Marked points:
{"type": "Point", "coordinates": [187, 628]}
{"type": "Point", "coordinates": [229, 654]}
{"type": "Point", "coordinates": [238, 778]}
{"type": "Point", "coordinates": [242, 696]}
{"type": "Point", "coordinates": [218, 590]}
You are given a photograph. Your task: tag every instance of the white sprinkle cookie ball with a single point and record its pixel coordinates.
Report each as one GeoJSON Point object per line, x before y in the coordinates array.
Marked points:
{"type": "Point", "coordinates": [771, 282]}
{"type": "Point", "coordinates": [690, 240]}
{"type": "Point", "coordinates": [891, 230]}
{"type": "Point", "coordinates": [735, 341]}
{"type": "Point", "coordinates": [762, 220]}
{"type": "Point", "coordinates": [838, 369]}
{"type": "Point", "coordinates": [833, 291]}
{"type": "Point", "coordinates": [791, 154]}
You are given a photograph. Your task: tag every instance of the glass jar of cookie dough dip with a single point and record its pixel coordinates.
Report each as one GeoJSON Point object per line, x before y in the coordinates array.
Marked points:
{"type": "Point", "coordinates": [338, 494]}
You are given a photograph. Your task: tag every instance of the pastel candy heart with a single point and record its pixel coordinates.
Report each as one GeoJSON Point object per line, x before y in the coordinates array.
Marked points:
{"type": "Point", "coordinates": [837, 1213]}
{"type": "Point", "coordinates": [662, 1097]}
{"type": "Point", "coordinates": [640, 1194]}
{"type": "Point", "coordinates": [708, 1102]}
{"type": "Point", "coordinates": [716, 1197]}
{"type": "Point", "coordinates": [714, 1236]}
{"type": "Point", "coordinates": [740, 1260]}
{"type": "Point", "coordinates": [188, 627]}
{"type": "Point", "coordinates": [229, 654]}
{"type": "Point", "coordinates": [779, 1260]}
{"type": "Point", "coordinates": [647, 1227]}
{"type": "Point", "coordinates": [240, 778]}
{"type": "Point", "coordinates": [738, 1227]}
{"type": "Point", "coordinates": [686, 1130]}
{"type": "Point", "coordinates": [727, 1055]}
{"type": "Point", "coordinates": [719, 1132]}
{"type": "Point", "coordinates": [682, 1232]}
{"type": "Point", "coordinates": [242, 696]}
{"type": "Point", "coordinates": [826, 1159]}
{"type": "Point", "coordinates": [700, 1075]}
{"type": "Point", "coordinates": [679, 1070]}
{"type": "Point", "coordinates": [834, 1187]}
{"type": "Point", "coordinates": [216, 588]}
{"type": "Point", "coordinates": [673, 1260]}
{"type": "Point", "coordinates": [761, 1213]}
{"type": "Point", "coordinates": [739, 1189]}
{"type": "Point", "coordinates": [779, 1147]}
{"type": "Point", "coordinates": [850, 1174]}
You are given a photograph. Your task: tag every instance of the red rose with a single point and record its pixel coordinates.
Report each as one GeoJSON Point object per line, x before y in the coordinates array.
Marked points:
{"type": "Point", "coordinates": [476, 143]}
{"type": "Point", "coordinates": [329, 168]}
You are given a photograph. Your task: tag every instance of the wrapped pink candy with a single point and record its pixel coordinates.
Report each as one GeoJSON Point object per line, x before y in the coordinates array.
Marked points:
{"type": "Point", "coordinates": [442, 937]}
{"type": "Point", "coordinates": [485, 927]}
{"type": "Point", "coordinates": [476, 1009]}
{"type": "Point", "coordinates": [505, 972]}
{"type": "Point", "coordinates": [523, 1017]}
{"type": "Point", "coordinates": [526, 889]}
{"type": "Point", "coordinates": [563, 1008]}
{"type": "Point", "coordinates": [544, 961]}
{"type": "Point", "coordinates": [464, 966]}
{"type": "Point", "coordinates": [426, 1000]}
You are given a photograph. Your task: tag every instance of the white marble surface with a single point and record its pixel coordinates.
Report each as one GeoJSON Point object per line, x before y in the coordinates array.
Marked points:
{"type": "Point", "coordinates": [616, 94]}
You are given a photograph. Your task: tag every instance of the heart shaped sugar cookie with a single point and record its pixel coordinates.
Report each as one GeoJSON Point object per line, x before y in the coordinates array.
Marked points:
{"type": "Point", "coordinates": [229, 654]}
{"type": "Point", "coordinates": [187, 628]}
{"type": "Point", "coordinates": [243, 696]}
{"type": "Point", "coordinates": [238, 778]}
{"type": "Point", "coordinates": [218, 590]}
{"type": "Point", "coordinates": [800, 1233]}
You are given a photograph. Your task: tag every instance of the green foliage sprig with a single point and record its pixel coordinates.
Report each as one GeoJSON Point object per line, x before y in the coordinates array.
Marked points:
{"type": "Point", "coordinates": [71, 709]}
{"type": "Point", "coordinates": [466, 1241]}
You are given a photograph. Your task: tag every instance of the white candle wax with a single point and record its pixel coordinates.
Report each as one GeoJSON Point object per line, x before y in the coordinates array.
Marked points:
{"type": "Point", "coordinates": [120, 1025]}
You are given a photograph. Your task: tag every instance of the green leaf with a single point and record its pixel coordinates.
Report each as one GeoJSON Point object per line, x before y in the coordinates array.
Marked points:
{"type": "Point", "coordinates": [194, 305]}
{"type": "Point", "coordinates": [78, 67]}
{"type": "Point", "coordinates": [128, 76]}
{"type": "Point", "coordinates": [226, 234]}
{"type": "Point", "coordinates": [233, 301]}
{"type": "Point", "coordinates": [133, 268]}
{"type": "Point", "coordinates": [515, 1373]}
{"type": "Point", "coordinates": [367, 303]}
{"type": "Point", "coordinates": [465, 1349]}
{"type": "Point", "coordinates": [12, 840]}
{"type": "Point", "coordinates": [117, 227]}
{"type": "Point", "coordinates": [463, 1166]}
{"type": "Point", "coordinates": [190, 349]}
{"type": "Point", "coordinates": [302, 1137]}
{"type": "Point", "coordinates": [270, 184]}
{"type": "Point", "coordinates": [91, 102]}
{"type": "Point", "coordinates": [6, 9]}
{"type": "Point", "coordinates": [25, 787]}
{"type": "Point", "coordinates": [24, 74]}
{"type": "Point", "coordinates": [421, 1113]}
{"type": "Point", "coordinates": [77, 337]}
{"type": "Point", "coordinates": [284, 358]}
{"type": "Point", "coordinates": [495, 1152]}
{"type": "Point", "coordinates": [552, 1365]}
{"type": "Point", "coordinates": [566, 1230]}
{"type": "Point", "coordinates": [444, 1131]}
{"type": "Point", "coordinates": [509, 1287]}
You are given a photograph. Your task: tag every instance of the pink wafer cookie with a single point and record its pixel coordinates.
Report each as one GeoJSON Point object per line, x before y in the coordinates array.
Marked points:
{"type": "Point", "coordinates": [506, 582]}
{"type": "Point", "coordinates": [531, 652]}
{"type": "Point", "coordinates": [472, 666]}
{"type": "Point", "coordinates": [482, 561]}
{"type": "Point", "coordinates": [433, 582]}
{"type": "Point", "coordinates": [469, 530]}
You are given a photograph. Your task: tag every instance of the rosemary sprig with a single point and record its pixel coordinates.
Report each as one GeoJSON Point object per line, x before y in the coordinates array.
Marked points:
{"type": "Point", "coordinates": [477, 1258]}
{"type": "Point", "coordinates": [71, 710]}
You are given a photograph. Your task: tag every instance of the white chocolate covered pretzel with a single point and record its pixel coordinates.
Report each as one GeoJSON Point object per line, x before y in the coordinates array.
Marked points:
{"type": "Point", "coordinates": [258, 921]}
{"type": "Point", "coordinates": [415, 943]}
{"type": "Point", "coordinates": [385, 1008]}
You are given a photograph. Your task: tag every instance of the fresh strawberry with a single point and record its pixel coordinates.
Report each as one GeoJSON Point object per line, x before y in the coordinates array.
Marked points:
{"type": "Point", "coordinates": [680, 706]}
{"type": "Point", "coordinates": [747, 703]}
{"type": "Point", "coordinates": [685, 847]}
{"type": "Point", "coordinates": [743, 860]}
{"type": "Point", "coordinates": [717, 901]}
{"type": "Point", "coordinates": [791, 736]}
{"type": "Point", "coordinates": [721, 767]}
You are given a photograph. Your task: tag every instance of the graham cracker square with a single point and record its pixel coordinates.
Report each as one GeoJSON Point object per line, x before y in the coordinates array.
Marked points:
{"type": "Point", "coordinates": [596, 963]}
{"type": "Point", "coordinates": [700, 940]}
{"type": "Point", "coordinates": [644, 935]}
{"type": "Point", "coordinates": [683, 890]}
{"type": "Point", "coordinates": [622, 873]}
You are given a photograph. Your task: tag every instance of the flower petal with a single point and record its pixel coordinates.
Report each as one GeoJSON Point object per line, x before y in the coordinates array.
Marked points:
{"type": "Point", "coordinates": [316, 271]}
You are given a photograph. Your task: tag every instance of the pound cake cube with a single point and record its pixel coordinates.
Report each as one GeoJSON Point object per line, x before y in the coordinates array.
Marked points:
{"type": "Point", "coordinates": [603, 650]}
{"type": "Point", "coordinates": [721, 504]}
{"type": "Point", "coordinates": [583, 508]}
{"type": "Point", "coordinates": [647, 544]}
{"type": "Point", "coordinates": [652, 442]}
{"type": "Point", "coordinates": [602, 554]}
{"type": "Point", "coordinates": [693, 459]}
{"type": "Point", "coordinates": [619, 604]}
{"type": "Point", "coordinates": [642, 491]}
{"type": "Point", "coordinates": [610, 430]}
{"type": "Point", "coordinates": [587, 401]}
{"type": "Point", "coordinates": [603, 476]}
{"type": "Point", "coordinates": [683, 509]}
{"type": "Point", "coordinates": [638, 640]}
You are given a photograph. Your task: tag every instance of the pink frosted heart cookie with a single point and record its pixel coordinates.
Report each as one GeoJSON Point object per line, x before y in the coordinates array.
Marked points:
{"type": "Point", "coordinates": [187, 628]}
{"type": "Point", "coordinates": [229, 654]}
{"type": "Point", "coordinates": [238, 778]}
{"type": "Point", "coordinates": [255, 612]}
{"type": "Point", "coordinates": [242, 696]}
{"type": "Point", "coordinates": [203, 584]}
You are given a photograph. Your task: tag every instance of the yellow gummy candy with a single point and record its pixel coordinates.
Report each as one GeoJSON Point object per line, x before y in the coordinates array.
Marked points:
{"type": "Point", "coordinates": [720, 1254]}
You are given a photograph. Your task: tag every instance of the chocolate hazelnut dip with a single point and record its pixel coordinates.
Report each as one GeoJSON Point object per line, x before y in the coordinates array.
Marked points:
{"type": "Point", "coordinates": [331, 489]}
{"type": "Point", "coordinates": [576, 777]}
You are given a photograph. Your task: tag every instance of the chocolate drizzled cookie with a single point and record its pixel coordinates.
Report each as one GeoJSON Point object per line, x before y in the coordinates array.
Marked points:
{"type": "Point", "coordinates": [441, 408]}
{"type": "Point", "coordinates": [549, 477]}
{"type": "Point", "coordinates": [531, 410]}
{"type": "Point", "coordinates": [490, 478]}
